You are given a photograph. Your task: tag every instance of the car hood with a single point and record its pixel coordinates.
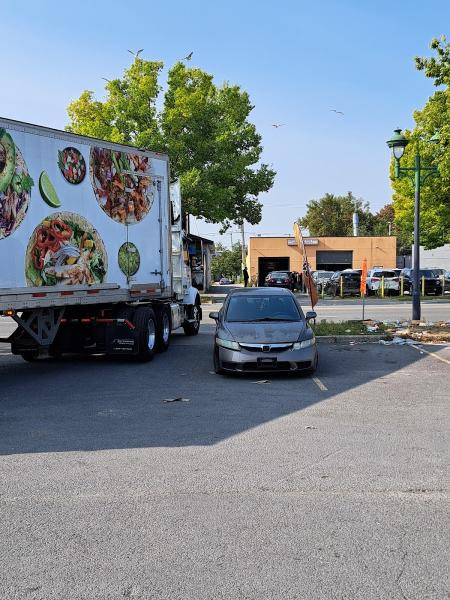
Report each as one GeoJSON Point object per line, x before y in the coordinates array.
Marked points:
{"type": "Point", "coordinates": [265, 332]}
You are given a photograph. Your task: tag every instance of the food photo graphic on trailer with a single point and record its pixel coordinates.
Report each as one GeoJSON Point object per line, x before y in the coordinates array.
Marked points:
{"type": "Point", "coordinates": [79, 213]}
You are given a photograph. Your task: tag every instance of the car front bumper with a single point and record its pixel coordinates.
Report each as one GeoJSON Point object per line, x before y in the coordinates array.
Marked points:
{"type": "Point", "coordinates": [262, 362]}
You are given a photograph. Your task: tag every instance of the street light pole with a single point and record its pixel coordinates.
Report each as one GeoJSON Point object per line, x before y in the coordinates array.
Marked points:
{"type": "Point", "coordinates": [416, 310]}
{"type": "Point", "coordinates": [398, 144]}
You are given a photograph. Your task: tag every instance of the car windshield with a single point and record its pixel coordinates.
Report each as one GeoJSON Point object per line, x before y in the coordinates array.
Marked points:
{"type": "Point", "coordinates": [384, 274]}
{"type": "Point", "coordinates": [278, 275]}
{"type": "Point", "coordinates": [428, 273]}
{"type": "Point", "coordinates": [245, 307]}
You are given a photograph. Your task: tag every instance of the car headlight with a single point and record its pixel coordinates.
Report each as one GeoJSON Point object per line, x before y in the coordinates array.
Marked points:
{"type": "Point", "coordinates": [228, 344]}
{"type": "Point", "coordinates": [305, 344]}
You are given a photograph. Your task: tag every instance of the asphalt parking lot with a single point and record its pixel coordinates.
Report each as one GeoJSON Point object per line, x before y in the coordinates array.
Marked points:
{"type": "Point", "coordinates": [299, 488]}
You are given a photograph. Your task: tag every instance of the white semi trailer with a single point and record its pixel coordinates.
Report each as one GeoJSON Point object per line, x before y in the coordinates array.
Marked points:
{"type": "Point", "coordinates": [91, 246]}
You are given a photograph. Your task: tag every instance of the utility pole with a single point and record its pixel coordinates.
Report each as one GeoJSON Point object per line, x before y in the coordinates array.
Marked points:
{"type": "Point", "coordinates": [243, 244]}
{"type": "Point", "coordinates": [231, 235]}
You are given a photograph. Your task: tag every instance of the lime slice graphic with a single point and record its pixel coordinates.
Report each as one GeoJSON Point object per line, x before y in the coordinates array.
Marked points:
{"type": "Point", "coordinates": [48, 192]}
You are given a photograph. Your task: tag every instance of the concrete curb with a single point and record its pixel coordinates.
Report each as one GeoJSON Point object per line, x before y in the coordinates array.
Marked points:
{"type": "Point", "coordinates": [345, 339]}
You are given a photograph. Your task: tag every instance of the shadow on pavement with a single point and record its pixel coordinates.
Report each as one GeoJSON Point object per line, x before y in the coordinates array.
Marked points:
{"type": "Point", "coordinates": [95, 403]}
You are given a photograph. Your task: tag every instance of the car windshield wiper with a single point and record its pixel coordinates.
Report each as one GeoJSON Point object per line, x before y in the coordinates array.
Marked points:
{"type": "Point", "coordinates": [273, 319]}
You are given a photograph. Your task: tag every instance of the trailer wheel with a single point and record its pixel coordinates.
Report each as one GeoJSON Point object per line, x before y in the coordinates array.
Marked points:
{"type": "Point", "coordinates": [192, 327]}
{"type": "Point", "coordinates": [146, 327]}
{"type": "Point", "coordinates": [29, 356]}
{"type": "Point", "coordinates": [163, 330]}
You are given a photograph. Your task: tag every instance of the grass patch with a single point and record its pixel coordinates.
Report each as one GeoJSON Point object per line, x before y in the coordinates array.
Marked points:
{"type": "Point", "coordinates": [325, 327]}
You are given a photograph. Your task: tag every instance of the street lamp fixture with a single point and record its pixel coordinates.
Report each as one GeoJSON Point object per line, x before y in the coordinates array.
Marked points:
{"type": "Point", "coordinates": [418, 174]}
{"type": "Point", "coordinates": [398, 143]}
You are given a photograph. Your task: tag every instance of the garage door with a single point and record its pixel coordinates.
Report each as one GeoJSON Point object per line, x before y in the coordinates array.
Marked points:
{"type": "Point", "coordinates": [334, 260]}
{"type": "Point", "coordinates": [268, 264]}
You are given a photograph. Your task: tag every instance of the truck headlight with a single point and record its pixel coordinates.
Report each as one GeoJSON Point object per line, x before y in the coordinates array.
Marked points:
{"type": "Point", "coordinates": [228, 344]}
{"type": "Point", "coordinates": [305, 344]}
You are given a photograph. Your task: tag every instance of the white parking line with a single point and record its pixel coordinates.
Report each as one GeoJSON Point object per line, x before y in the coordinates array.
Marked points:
{"type": "Point", "coordinates": [320, 385]}
{"type": "Point", "coordinates": [432, 354]}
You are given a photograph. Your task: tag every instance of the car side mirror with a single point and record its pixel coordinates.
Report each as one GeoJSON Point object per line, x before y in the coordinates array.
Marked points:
{"type": "Point", "coordinates": [311, 314]}
{"type": "Point", "coordinates": [214, 315]}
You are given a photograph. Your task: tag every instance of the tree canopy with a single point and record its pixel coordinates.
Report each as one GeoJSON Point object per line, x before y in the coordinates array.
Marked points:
{"type": "Point", "coordinates": [213, 148]}
{"type": "Point", "coordinates": [433, 119]}
{"type": "Point", "coordinates": [227, 262]}
{"type": "Point", "coordinates": [333, 216]}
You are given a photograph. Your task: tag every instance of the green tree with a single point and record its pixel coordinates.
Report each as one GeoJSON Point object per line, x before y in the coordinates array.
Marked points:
{"type": "Point", "coordinates": [227, 262]}
{"type": "Point", "coordinates": [212, 146]}
{"type": "Point", "coordinates": [435, 193]}
{"type": "Point", "coordinates": [384, 220]}
{"type": "Point", "coordinates": [333, 216]}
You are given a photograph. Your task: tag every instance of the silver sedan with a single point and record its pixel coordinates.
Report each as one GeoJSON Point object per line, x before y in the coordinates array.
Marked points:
{"type": "Point", "coordinates": [263, 329]}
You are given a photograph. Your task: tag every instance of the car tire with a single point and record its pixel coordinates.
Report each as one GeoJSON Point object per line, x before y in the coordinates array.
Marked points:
{"type": "Point", "coordinates": [217, 368]}
{"type": "Point", "coordinates": [313, 369]}
{"type": "Point", "coordinates": [146, 326]}
{"type": "Point", "coordinates": [193, 327]}
{"type": "Point", "coordinates": [164, 329]}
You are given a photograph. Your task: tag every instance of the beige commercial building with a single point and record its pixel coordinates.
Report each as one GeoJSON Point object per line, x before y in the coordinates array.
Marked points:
{"type": "Point", "coordinates": [267, 254]}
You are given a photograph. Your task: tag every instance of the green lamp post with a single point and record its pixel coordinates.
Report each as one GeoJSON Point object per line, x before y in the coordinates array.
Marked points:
{"type": "Point", "coordinates": [418, 175]}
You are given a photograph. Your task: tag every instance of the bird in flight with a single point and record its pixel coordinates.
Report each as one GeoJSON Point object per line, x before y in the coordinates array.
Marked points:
{"type": "Point", "coordinates": [188, 57]}
{"type": "Point", "coordinates": [338, 112]}
{"type": "Point", "coordinates": [276, 125]}
{"type": "Point", "coordinates": [136, 54]}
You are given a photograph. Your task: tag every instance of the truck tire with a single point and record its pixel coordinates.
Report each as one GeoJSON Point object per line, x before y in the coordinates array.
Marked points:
{"type": "Point", "coordinates": [192, 328]}
{"type": "Point", "coordinates": [146, 326]}
{"type": "Point", "coordinates": [30, 355]}
{"type": "Point", "coordinates": [164, 329]}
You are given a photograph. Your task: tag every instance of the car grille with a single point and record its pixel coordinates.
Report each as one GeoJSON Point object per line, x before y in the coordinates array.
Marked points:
{"type": "Point", "coordinates": [263, 347]}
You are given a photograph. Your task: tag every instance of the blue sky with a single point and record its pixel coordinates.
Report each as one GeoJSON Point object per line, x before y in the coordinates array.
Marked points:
{"type": "Point", "coordinates": [296, 59]}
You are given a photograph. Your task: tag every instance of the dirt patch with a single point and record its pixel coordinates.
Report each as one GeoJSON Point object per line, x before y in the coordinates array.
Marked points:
{"type": "Point", "coordinates": [424, 332]}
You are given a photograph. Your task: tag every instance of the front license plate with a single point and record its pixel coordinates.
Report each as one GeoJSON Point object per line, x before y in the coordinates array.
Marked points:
{"type": "Point", "coordinates": [267, 363]}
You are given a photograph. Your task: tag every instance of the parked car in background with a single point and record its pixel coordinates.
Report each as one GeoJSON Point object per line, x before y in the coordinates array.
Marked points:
{"type": "Point", "coordinates": [445, 278]}
{"type": "Point", "coordinates": [431, 279]}
{"type": "Point", "coordinates": [225, 281]}
{"type": "Point", "coordinates": [263, 329]}
{"type": "Point", "coordinates": [320, 279]}
{"type": "Point", "coordinates": [438, 271]}
{"type": "Point", "coordinates": [351, 282]}
{"type": "Point", "coordinates": [283, 279]}
{"type": "Point", "coordinates": [447, 282]}
{"type": "Point", "coordinates": [376, 278]}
